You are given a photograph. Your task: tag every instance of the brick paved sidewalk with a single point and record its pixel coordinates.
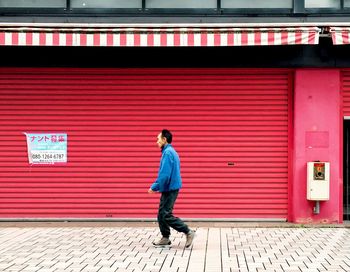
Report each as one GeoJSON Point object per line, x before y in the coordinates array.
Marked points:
{"type": "Point", "coordinates": [129, 249]}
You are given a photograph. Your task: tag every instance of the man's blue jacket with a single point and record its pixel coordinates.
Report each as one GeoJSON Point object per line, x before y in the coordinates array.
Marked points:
{"type": "Point", "coordinates": [169, 177]}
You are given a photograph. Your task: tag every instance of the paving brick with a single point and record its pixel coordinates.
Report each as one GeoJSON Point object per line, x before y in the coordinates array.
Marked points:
{"type": "Point", "coordinates": [214, 249]}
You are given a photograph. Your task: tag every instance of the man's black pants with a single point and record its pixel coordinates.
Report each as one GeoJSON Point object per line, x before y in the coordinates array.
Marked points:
{"type": "Point", "coordinates": [166, 219]}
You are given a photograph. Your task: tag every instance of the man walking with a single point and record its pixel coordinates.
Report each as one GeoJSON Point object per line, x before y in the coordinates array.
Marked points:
{"type": "Point", "coordinates": [168, 184]}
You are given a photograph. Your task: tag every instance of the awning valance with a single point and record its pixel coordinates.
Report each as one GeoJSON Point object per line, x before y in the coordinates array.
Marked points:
{"type": "Point", "coordinates": [340, 35]}
{"type": "Point", "coordinates": [157, 36]}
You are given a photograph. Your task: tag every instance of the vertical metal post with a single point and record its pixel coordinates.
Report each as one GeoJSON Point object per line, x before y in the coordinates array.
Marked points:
{"type": "Point", "coordinates": [317, 207]}
{"type": "Point", "coordinates": [68, 6]}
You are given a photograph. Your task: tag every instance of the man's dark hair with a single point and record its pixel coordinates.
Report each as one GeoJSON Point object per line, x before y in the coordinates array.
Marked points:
{"type": "Point", "coordinates": [167, 134]}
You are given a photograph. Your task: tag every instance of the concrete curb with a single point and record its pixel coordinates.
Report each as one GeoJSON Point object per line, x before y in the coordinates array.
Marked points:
{"type": "Point", "coordinates": [141, 224]}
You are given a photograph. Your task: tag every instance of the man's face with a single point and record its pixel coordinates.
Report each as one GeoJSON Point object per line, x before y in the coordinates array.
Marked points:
{"type": "Point", "coordinates": [161, 141]}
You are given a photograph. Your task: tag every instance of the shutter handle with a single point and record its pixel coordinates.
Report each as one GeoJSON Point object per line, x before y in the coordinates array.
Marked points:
{"type": "Point", "coordinates": [230, 163]}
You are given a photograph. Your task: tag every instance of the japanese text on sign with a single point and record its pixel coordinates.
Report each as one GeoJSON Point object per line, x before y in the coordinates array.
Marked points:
{"type": "Point", "coordinates": [47, 148]}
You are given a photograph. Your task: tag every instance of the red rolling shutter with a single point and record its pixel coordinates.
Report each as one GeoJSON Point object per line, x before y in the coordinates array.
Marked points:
{"type": "Point", "coordinates": [230, 129]}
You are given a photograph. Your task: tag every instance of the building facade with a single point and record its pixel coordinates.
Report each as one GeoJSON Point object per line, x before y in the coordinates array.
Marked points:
{"type": "Point", "coordinates": [251, 92]}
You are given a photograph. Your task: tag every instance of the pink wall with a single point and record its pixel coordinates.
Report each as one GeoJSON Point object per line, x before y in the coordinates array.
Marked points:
{"type": "Point", "coordinates": [317, 136]}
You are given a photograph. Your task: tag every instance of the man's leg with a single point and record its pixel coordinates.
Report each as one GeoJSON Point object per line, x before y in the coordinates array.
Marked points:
{"type": "Point", "coordinates": [166, 219]}
{"type": "Point", "coordinates": [172, 221]}
{"type": "Point", "coordinates": [163, 206]}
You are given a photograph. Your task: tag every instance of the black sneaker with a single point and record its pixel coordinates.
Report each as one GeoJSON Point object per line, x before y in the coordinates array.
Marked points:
{"type": "Point", "coordinates": [189, 238]}
{"type": "Point", "coordinates": [163, 242]}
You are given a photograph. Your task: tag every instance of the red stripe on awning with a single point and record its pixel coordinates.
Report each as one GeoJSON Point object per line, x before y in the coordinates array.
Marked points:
{"type": "Point", "coordinates": [160, 36]}
{"type": "Point", "coordinates": [204, 39]}
{"type": "Point", "coordinates": [110, 39]}
{"type": "Point", "coordinates": [29, 38]}
{"type": "Point", "coordinates": [56, 39]}
{"type": "Point", "coordinates": [163, 40]}
{"type": "Point", "coordinates": [217, 39]}
{"type": "Point", "coordinates": [14, 38]}
{"type": "Point", "coordinates": [271, 38]}
{"type": "Point", "coordinates": [69, 39]}
{"type": "Point", "coordinates": [190, 38]}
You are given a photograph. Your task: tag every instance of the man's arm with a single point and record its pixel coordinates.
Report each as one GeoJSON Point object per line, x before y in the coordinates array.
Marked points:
{"type": "Point", "coordinates": [163, 174]}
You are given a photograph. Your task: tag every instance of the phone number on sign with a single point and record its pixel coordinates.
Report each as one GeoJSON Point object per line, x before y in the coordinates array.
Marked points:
{"type": "Point", "coordinates": [45, 157]}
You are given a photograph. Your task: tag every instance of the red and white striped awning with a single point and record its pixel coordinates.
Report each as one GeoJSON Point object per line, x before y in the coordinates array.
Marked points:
{"type": "Point", "coordinates": [157, 36]}
{"type": "Point", "coordinates": [340, 35]}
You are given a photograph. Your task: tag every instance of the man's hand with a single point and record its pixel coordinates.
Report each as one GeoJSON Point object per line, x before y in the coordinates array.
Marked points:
{"type": "Point", "coordinates": [150, 191]}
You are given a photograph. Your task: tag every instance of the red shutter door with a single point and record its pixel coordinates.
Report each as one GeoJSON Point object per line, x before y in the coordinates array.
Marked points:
{"type": "Point", "coordinates": [230, 129]}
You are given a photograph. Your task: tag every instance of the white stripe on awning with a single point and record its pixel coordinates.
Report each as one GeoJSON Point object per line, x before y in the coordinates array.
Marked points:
{"type": "Point", "coordinates": [157, 36]}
